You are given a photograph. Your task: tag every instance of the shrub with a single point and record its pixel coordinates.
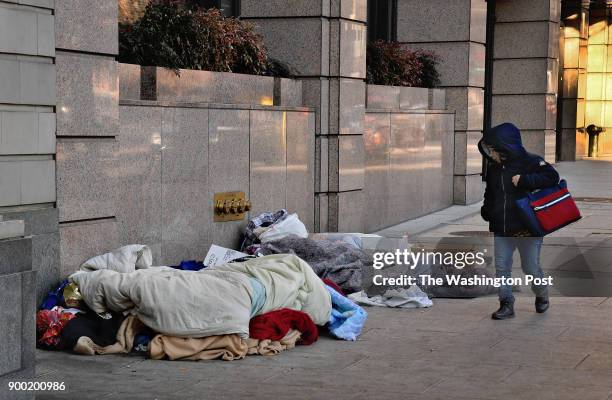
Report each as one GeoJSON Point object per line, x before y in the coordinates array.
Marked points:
{"type": "Point", "coordinates": [393, 65]}
{"type": "Point", "coordinates": [430, 77]}
{"type": "Point", "coordinates": [279, 69]}
{"type": "Point", "coordinates": [173, 36]}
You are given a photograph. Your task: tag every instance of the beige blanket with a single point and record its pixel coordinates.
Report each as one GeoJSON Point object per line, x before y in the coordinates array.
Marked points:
{"type": "Point", "coordinates": [208, 302]}
{"type": "Point", "coordinates": [225, 347]}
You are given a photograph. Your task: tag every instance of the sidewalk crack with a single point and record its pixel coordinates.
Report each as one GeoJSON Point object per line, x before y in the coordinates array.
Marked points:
{"type": "Point", "coordinates": [562, 332]}
{"type": "Point", "coordinates": [505, 378]}
{"type": "Point", "coordinates": [581, 361]}
{"type": "Point", "coordinates": [436, 383]}
{"type": "Point", "coordinates": [498, 342]}
{"type": "Point", "coordinates": [356, 362]}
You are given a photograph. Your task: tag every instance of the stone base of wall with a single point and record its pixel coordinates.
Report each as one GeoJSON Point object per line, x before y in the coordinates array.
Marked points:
{"type": "Point", "coordinates": [18, 311]}
{"type": "Point", "coordinates": [409, 143]}
{"type": "Point", "coordinates": [42, 227]}
{"type": "Point", "coordinates": [157, 179]}
{"type": "Point", "coordinates": [468, 189]}
{"type": "Point", "coordinates": [408, 165]}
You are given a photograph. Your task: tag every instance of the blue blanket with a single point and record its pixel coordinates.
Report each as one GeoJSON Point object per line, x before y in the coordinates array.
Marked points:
{"type": "Point", "coordinates": [347, 318]}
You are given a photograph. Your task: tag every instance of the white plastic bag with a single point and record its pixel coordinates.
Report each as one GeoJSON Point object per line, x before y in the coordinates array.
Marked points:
{"type": "Point", "coordinates": [288, 226]}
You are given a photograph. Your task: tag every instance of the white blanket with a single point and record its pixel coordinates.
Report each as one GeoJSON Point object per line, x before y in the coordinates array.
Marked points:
{"type": "Point", "coordinates": [207, 302]}
{"type": "Point", "coordinates": [124, 259]}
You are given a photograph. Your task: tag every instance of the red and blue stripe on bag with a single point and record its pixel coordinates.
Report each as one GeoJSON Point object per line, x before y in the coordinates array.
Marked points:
{"type": "Point", "coordinates": [555, 210]}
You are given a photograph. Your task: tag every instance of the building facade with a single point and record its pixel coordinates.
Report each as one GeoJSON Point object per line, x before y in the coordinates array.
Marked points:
{"type": "Point", "coordinates": [521, 80]}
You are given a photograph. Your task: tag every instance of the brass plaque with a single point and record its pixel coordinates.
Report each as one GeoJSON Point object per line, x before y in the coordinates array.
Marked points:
{"type": "Point", "coordinates": [230, 206]}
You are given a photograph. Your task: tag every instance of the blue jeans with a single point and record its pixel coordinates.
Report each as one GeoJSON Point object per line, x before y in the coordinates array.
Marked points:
{"type": "Point", "coordinates": [529, 250]}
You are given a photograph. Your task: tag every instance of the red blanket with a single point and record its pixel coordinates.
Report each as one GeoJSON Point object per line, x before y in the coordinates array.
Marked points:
{"type": "Point", "coordinates": [49, 325]}
{"type": "Point", "coordinates": [276, 324]}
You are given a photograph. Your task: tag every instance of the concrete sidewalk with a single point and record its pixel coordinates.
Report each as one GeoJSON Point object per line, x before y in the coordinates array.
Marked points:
{"type": "Point", "coordinates": [450, 351]}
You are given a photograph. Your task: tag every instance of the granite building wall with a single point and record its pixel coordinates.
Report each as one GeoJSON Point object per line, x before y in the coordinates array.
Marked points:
{"type": "Point", "coordinates": [456, 31]}
{"type": "Point", "coordinates": [325, 42]}
{"type": "Point", "coordinates": [154, 181]}
{"type": "Point", "coordinates": [174, 157]}
{"type": "Point", "coordinates": [408, 145]}
{"type": "Point", "coordinates": [87, 127]}
{"type": "Point", "coordinates": [17, 296]}
{"type": "Point", "coordinates": [525, 77]}
{"type": "Point", "coordinates": [524, 74]}
{"type": "Point", "coordinates": [134, 171]}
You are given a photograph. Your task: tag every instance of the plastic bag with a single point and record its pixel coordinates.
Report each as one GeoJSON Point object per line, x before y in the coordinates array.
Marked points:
{"type": "Point", "coordinates": [288, 226]}
{"type": "Point", "coordinates": [72, 296]}
{"type": "Point", "coordinates": [54, 297]}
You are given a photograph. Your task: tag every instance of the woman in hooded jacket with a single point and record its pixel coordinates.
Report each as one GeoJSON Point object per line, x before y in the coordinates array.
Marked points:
{"type": "Point", "coordinates": [512, 172]}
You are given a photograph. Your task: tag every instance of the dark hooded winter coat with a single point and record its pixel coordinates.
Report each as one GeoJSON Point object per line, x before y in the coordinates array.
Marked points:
{"type": "Point", "coordinates": [499, 207]}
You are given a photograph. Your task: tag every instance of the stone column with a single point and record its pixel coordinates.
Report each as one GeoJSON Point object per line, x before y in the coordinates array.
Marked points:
{"type": "Point", "coordinates": [28, 219]}
{"type": "Point", "coordinates": [525, 68]}
{"type": "Point", "coordinates": [456, 32]}
{"type": "Point", "coordinates": [87, 128]}
{"type": "Point", "coordinates": [325, 42]}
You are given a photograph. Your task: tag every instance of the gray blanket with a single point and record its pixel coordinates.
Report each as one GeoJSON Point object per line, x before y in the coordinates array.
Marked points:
{"type": "Point", "coordinates": [351, 268]}
{"type": "Point", "coordinates": [334, 260]}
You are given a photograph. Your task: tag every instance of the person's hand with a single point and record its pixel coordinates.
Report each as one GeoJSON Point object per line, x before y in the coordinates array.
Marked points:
{"type": "Point", "coordinates": [515, 180]}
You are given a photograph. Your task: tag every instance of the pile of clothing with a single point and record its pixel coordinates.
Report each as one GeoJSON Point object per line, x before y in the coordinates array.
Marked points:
{"type": "Point", "coordinates": [338, 260]}
{"type": "Point", "coordinates": [120, 303]}
{"type": "Point", "coordinates": [347, 260]}
{"type": "Point", "coordinates": [269, 226]}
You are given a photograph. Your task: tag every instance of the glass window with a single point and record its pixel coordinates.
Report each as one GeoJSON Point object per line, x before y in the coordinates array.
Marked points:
{"type": "Point", "coordinates": [594, 113]}
{"type": "Point", "coordinates": [382, 17]}
{"type": "Point", "coordinates": [595, 83]}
